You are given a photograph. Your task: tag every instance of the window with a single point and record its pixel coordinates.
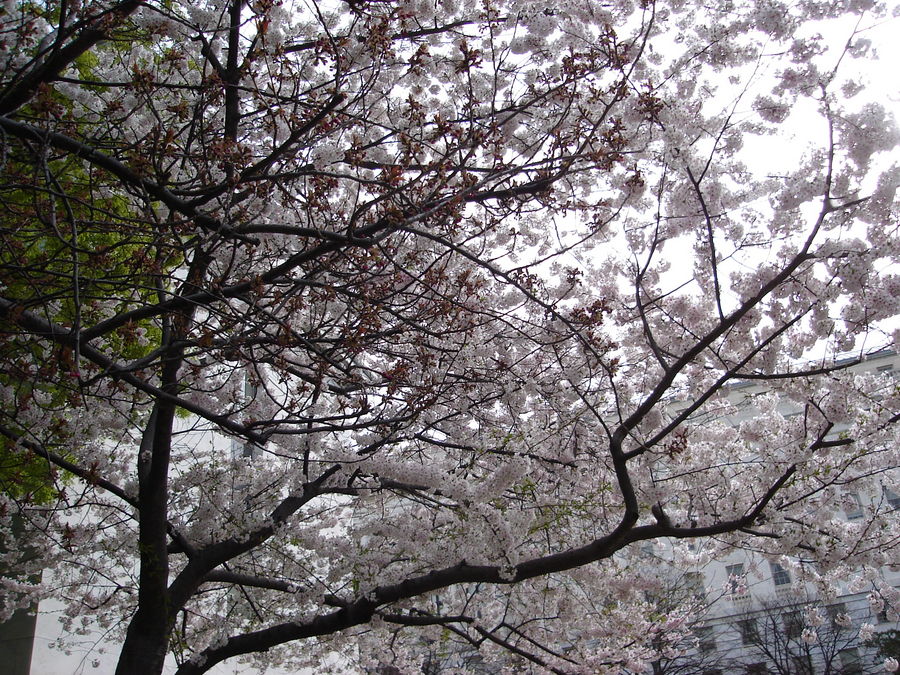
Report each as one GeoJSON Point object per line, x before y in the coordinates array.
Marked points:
{"type": "Point", "coordinates": [780, 576]}
{"type": "Point", "coordinates": [693, 582]}
{"type": "Point", "coordinates": [706, 639]}
{"type": "Point", "coordinates": [736, 579]}
{"type": "Point", "coordinates": [757, 669]}
{"type": "Point", "coordinates": [853, 506]}
{"type": "Point", "coordinates": [749, 631]}
{"type": "Point", "coordinates": [838, 614]}
{"type": "Point", "coordinates": [793, 624]}
{"type": "Point", "coordinates": [892, 498]}
{"type": "Point", "coordinates": [802, 664]}
{"type": "Point", "coordinates": [850, 662]}
{"type": "Point", "coordinates": [888, 613]}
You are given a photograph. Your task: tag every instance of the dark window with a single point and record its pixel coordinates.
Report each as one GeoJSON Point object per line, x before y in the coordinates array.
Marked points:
{"type": "Point", "coordinates": [780, 576]}
{"type": "Point", "coordinates": [837, 612]}
{"type": "Point", "coordinates": [757, 669]}
{"type": "Point", "coordinates": [749, 631]}
{"type": "Point", "coordinates": [793, 624]}
{"type": "Point", "coordinates": [850, 662]}
{"type": "Point", "coordinates": [802, 665]}
{"type": "Point", "coordinates": [694, 583]}
{"type": "Point", "coordinates": [853, 506]}
{"type": "Point", "coordinates": [892, 498]}
{"type": "Point", "coordinates": [735, 577]}
{"type": "Point", "coordinates": [706, 639]}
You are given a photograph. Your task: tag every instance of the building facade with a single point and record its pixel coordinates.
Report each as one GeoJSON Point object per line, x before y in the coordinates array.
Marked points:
{"type": "Point", "coordinates": [761, 618]}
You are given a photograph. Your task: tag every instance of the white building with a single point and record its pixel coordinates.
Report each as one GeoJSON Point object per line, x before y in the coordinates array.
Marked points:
{"type": "Point", "coordinates": [761, 619]}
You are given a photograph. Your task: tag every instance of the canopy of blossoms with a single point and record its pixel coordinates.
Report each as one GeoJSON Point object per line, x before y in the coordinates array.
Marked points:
{"type": "Point", "coordinates": [466, 285]}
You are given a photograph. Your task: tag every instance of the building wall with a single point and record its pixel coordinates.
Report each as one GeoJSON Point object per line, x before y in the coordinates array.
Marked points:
{"type": "Point", "coordinates": [745, 588]}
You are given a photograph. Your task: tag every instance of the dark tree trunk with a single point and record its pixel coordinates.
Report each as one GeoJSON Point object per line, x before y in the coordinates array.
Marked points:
{"type": "Point", "coordinates": [147, 638]}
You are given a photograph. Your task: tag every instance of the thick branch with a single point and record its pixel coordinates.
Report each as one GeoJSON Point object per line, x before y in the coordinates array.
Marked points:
{"type": "Point", "coordinates": [37, 326]}
{"type": "Point", "coordinates": [228, 577]}
{"type": "Point", "coordinates": [88, 476]}
{"type": "Point", "coordinates": [125, 174]}
{"type": "Point", "coordinates": [361, 610]}
{"type": "Point", "coordinates": [20, 92]}
{"type": "Point", "coordinates": [204, 561]}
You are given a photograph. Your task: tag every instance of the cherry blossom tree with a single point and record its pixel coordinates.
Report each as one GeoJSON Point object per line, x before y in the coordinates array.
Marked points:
{"type": "Point", "coordinates": [467, 285]}
{"type": "Point", "coordinates": [797, 637]}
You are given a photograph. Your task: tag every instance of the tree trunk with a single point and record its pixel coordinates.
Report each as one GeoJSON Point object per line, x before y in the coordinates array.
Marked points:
{"type": "Point", "coordinates": [147, 638]}
{"type": "Point", "coordinates": [146, 643]}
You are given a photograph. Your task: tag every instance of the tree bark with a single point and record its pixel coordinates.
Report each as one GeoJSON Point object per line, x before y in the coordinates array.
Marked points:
{"type": "Point", "coordinates": [147, 638]}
